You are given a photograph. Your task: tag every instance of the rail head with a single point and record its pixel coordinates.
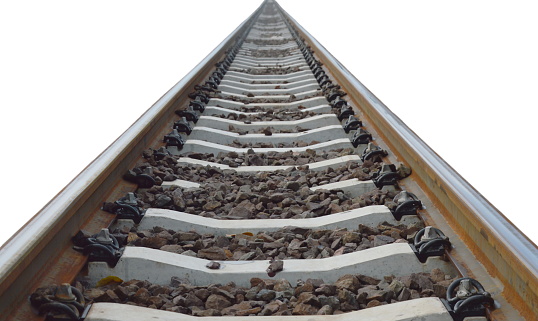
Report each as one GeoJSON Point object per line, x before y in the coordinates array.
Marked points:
{"type": "Point", "coordinates": [514, 254]}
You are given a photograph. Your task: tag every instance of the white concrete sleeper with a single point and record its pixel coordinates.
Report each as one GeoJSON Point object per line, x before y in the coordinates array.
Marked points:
{"type": "Point", "coordinates": [370, 216]}
{"type": "Point", "coordinates": [159, 267]}
{"type": "Point", "coordinates": [426, 309]}
{"type": "Point", "coordinates": [200, 146]}
{"type": "Point", "coordinates": [313, 122]}
{"type": "Point", "coordinates": [224, 137]}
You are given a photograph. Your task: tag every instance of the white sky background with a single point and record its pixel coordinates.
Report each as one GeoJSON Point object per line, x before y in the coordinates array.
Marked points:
{"type": "Point", "coordinates": [74, 75]}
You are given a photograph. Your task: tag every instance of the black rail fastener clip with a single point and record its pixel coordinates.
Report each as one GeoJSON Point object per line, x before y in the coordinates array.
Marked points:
{"type": "Point", "coordinates": [326, 82]}
{"type": "Point", "coordinates": [174, 139]}
{"type": "Point", "coordinates": [190, 114]}
{"type": "Point", "coordinates": [222, 67]}
{"type": "Point", "coordinates": [214, 79]}
{"type": "Point", "coordinates": [339, 103]}
{"type": "Point", "coordinates": [125, 208]}
{"type": "Point", "coordinates": [218, 74]}
{"type": "Point", "coordinates": [466, 297]}
{"type": "Point", "coordinates": [352, 123]}
{"type": "Point", "coordinates": [373, 153]}
{"type": "Point", "coordinates": [386, 176]}
{"type": "Point", "coordinates": [60, 303]}
{"type": "Point", "coordinates": [199, 95]}
{"type": "Point", "coordinates": [212, 83]}
{"type": "Point", "coordinates": [406, 204]}
{"type": "Point", "coordinates": [183, 126]}
{"type": "Point", "coordinates": [161, 153]}
{"type": "Point", "coordinates": [321, 76]}
{"type": "Point", "coordinates": [143, 178]}
{"type": "Point", "coordinates": [361, 137]}
{"type": "Point", "coordinates": [345, 112]}
{"type": "Point", "coordinates": [333, 94]}
{"type": "Point", "coordinates": [316, 69]}
{"type": "Point", "coordinates": [430, 241]}
{"type": "Point", "coordinates": [101, 247]}
{"type": "Point", "coordinates": [197, 105]}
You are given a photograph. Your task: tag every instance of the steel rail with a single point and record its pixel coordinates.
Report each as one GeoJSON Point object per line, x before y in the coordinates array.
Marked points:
{"type": "Point", "coordinates": [26, 256]}
{"type": "Point", "coordinates": [511, 255]}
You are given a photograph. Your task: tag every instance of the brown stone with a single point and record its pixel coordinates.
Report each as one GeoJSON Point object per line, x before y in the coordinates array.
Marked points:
{"type": "Point", "coordinates": [373, 293]}
{"type": "Point", "coordinates": [282, 285]}
{"type": "Point", "coordinates": [325, 310]}
{"type": "Point", "coordinates": [231, 310]}
{"type": "Point", "coordinates": [245, 209]}
{"type": "Point", "coordinates": [213, 253]}
{"type": "Point", "coordinates": [217, 302]}
{"type": "Point", "coordinates": [198, 312]}
{"type": "Point", "coordinates": [424, 282]}
{"type": "Point", "coordinates": [141, 296]}
{"type": "Point", "coordinates": [211, 205]}
{"type": "Point", "coordinates": [93, 293]}
{"type": "Point", "coordinates": [156, 301]}
{"type": "Point", "coordinates": [192, 300]}
{"type": "Point", "coordinates": [153, 242]}
{"type": "Point", "coordinates": [187, 236]}
{"type": "Point", "coordinates": [349, 282]}
{"type": "Point", "coordinates": [271, 307]}
{"type": "Point", "coordinates": [304, 309]}
{"type": "Point", "coordinates": [439, 291]}
{"type": "Point", "coordinates": [108, 296]}
{"type": "Point", "coordinates": [373, 303]}
{"type": "Point", "coordinates": [382, 240]}
{"type": "Point", "coordinates": [308, 298]}
{"type": "Point", "coordinates": [367, 280]}
{"type": "Point", "coordinates": [122, 292]}
{"type": "Point", "coordinates": [174, 248]}
{"type": "Point", "coordinates": [326, 289]}
{"type": "Point", "coordinates": [252, 311]}
{"type": "Point", "coordinates": [307, 287]}
{"type": "Point", "coordinates": [437, 275]}
{"type": "Point", "coordinates": [202, 294]}
{"type": "Point", "coordinates": [351, 237]}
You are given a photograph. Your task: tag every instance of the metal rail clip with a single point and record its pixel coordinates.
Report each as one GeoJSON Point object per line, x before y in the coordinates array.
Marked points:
{"type": "Point", "coordinates": [59, 303]}
{"type": "Point", "coordinates": [387, 175]}
{"type": "Point", "coordinates": [361, 137]}
{"type": "Point", "coordinates": [199, 95]}
{"type": "Point", "coordinates": [174, 139]}
{"type": "Point", "coordinates": [190, 114]}
{"type": "Point", "coordinates": [345, 111]}
{"type": "Point", "coordinates": [125, 208]}
{"type": "Point", "coordinates": [142, 177]}
{"type": "Point", "coordinates": [373, 153]}
{"type": "Point", "coordinates": [352, 123]}
{"type": "Point", "coordinates": [102, 247]}
{"type": "Point", "coordinates": [430, 241]}
{"type": "Point", "coordinates": [406, 204]}
{"type": "Point", "coordinates": [470, 299]}
{"type": "Point", "coordinates": [161, 153]}
{"type": "Point", "coordinates": [183, 126]}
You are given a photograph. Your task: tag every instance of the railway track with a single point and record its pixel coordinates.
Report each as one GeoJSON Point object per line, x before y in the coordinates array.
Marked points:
{"type": "Point", "coordinates": [269, 182]}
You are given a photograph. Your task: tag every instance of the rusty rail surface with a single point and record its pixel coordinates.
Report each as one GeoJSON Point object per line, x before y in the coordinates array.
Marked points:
{"type": "Point", "coordinates": [40, 253]}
